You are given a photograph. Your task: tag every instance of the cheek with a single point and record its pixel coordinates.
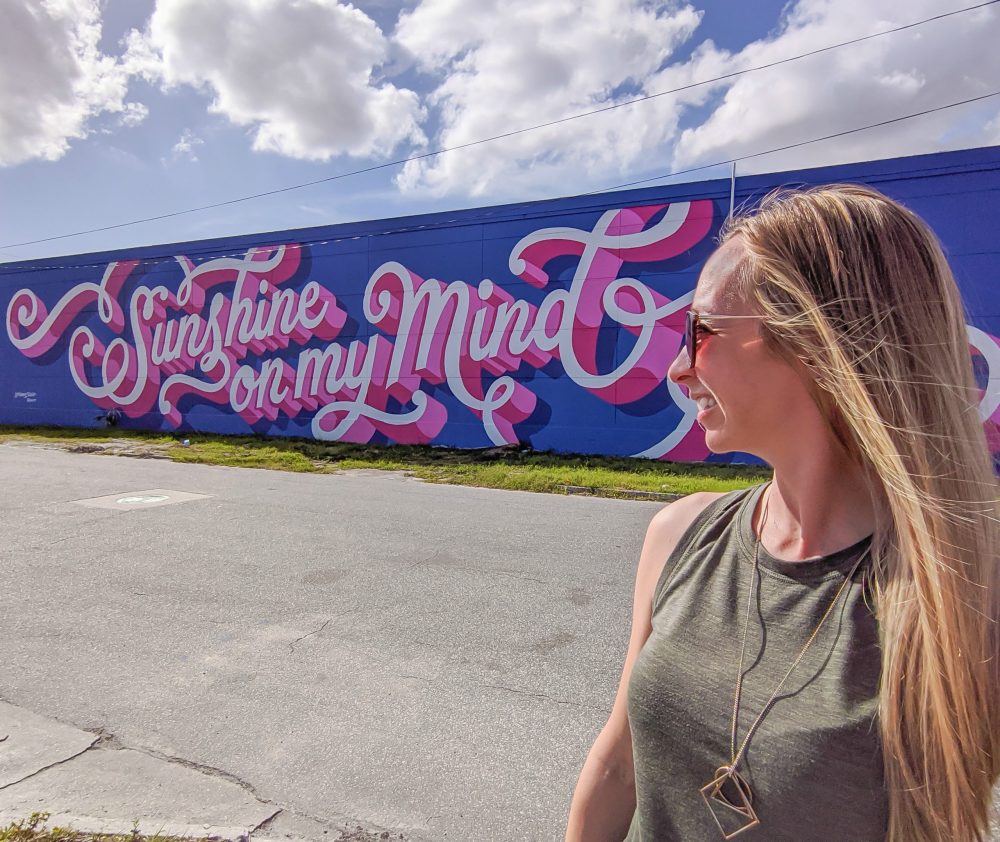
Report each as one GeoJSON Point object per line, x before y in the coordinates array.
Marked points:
{"type": "Point", "coordinates": [754, 381]}
{"type": "Point", "coordinates": [779, 390]}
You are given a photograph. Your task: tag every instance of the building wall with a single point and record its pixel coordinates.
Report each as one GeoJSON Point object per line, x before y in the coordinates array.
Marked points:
{"type": "Point", "coordinates": [551, 323]}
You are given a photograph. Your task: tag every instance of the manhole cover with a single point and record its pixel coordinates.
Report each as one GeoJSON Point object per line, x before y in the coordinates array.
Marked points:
{"type": "Point", "coordinates": [148, 498]}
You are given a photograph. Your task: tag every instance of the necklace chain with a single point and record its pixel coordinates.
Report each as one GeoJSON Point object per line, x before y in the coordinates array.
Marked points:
{"type": "Point", "coordinates": [738, 754]}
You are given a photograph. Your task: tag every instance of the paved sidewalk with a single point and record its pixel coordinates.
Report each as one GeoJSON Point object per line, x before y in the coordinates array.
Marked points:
{"type": "Point", "coordinates": [91, 783]}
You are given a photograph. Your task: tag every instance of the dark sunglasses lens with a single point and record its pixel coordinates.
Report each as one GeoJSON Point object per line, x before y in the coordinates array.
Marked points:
{"type": "Point", "coordinates": [689, 335]}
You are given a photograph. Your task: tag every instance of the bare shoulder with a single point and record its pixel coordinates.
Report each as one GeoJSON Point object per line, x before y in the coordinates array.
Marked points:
{"type": "Point", "coordinates": [665, 531]}
{"type": "Point", "coordinates": [672, 520]}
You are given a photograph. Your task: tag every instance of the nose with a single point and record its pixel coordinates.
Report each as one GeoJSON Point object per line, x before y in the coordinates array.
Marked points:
{"type": "Point", "coordinates": [681, 366]}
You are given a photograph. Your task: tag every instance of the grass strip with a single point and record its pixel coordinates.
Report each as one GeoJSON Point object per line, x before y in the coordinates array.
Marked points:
{"type": "Point", "coordinates": [511, 468]}
{"type": "Point", "coordinates": [34, 829]}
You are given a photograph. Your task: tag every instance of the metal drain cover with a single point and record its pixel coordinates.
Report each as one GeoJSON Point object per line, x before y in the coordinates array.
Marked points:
{"type": "Point", "coordinates": [127, 501]}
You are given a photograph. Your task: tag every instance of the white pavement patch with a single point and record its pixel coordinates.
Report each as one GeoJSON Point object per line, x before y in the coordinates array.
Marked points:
{"type": "Point", "coordinates": [130, 500]}
{"type": "Point", "coordinates": [106, 790]}
{"type": "Point", "coordinates": [29, 743]}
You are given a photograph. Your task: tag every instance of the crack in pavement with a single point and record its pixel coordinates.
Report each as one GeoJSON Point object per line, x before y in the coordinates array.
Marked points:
{"type": "Point", "coordinates": [358, 610]}
{"type": "Point", "coordinates": [291, 646]}
{"type": "Point", "coordinates": [114, 744]}
{"type": "Point", "coordinates": [340, 825]}
{"type": "Point", "coordinates": [100, 519]}
{"type": "Point", "coordinates": [515, 576]}
{"type": "Point", "coordinates": [266, 823]}
{"type": "Point", "coordinates": [50, 766]}
{"type": "Point", "coordinates": [537, 696]}
{"type": "Point", "coordinates": [105, 739]}
{"type": "Point", "coordinates": [268, 820]}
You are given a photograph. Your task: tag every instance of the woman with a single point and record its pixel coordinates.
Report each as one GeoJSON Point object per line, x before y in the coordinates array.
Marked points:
{"type": "Point", "coordinates": [816, 658]}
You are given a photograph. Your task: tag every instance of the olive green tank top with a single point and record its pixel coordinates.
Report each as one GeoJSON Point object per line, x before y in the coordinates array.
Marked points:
{"type": "Point", "coordinates": [814, 764]}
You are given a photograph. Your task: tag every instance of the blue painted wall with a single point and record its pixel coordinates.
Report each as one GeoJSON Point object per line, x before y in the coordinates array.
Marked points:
{"type": "Point", "coordinates": [546, 322]}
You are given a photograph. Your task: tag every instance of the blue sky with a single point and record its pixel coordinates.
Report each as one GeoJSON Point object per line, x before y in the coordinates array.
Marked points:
{"type": "Point", "coordinates": [112, 111]}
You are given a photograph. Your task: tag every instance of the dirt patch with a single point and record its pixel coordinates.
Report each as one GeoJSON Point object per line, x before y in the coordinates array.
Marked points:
{"type": "Point", "coordinates": [114, 447]}
{"type": "Point", "coordinates": [118, 447]}
{"type": "Point", "coordinates": [375, 472]}
{"type": "Point", "coordinates": [362, 835]}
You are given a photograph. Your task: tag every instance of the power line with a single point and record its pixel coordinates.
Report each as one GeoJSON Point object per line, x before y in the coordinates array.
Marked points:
{"type": "Point", "coordinates": [602, 110]}
{"type": "Point", "coordinates": [794, 145]}
{"type": "Point", "coordinates": [149, 260]}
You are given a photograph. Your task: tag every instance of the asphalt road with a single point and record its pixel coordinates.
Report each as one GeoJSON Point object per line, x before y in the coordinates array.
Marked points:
{"type": "Point", "coordinates": [429, 659]}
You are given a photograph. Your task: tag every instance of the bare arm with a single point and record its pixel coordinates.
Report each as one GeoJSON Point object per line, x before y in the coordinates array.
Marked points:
{"type": "Point", "coordinates": [604, 800]}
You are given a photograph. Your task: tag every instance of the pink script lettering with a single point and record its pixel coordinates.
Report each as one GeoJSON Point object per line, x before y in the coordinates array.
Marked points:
{"type": "Point", "coordinates": [224, 336]}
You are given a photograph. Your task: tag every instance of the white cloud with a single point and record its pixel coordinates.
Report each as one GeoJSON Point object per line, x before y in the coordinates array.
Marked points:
{"type": "Point", "coordinates": [185, 146]}
{"type": "Point", "coordinates": [53, 77]}
{"type": "Point", "coordinates": [502, 66]}
{"type": "Point", "coordinates": [133, 115]}
{"type": "Point", "coordinates": [303, 75]}
{"type": "Point", "coordinates": [906, 72]}
{"type": "Point", "coordinates": [506, 64]}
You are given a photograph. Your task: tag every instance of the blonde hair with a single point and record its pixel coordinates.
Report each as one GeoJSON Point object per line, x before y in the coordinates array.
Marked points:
{"type": "Point", "coordinates": [856, 288]}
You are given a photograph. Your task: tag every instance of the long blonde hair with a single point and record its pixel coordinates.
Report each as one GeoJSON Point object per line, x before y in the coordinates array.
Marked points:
{"type": "Point", "coordinates": [856, 288]}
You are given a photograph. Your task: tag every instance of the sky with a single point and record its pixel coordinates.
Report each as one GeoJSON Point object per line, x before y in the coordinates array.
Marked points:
{"type": "Point", "coordinates": [116, 110]}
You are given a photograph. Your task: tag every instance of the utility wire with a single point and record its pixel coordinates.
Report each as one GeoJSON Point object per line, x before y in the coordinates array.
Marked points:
{"type": "Point", "coordinates": [602, 110]}
{"type": "Point", "coordinates": [641, 181]}
{"type": "Point", "coordinates": [794, 145]}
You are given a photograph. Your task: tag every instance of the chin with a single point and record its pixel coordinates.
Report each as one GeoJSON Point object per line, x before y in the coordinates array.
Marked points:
{"type": "Point", "coordinates": [716, 442]}
{"type": "Point", "coordinates": [719, 444]}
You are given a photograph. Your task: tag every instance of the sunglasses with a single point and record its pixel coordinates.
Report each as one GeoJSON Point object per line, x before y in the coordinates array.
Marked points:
{"type": "Point", "coordinates": [692, 325]}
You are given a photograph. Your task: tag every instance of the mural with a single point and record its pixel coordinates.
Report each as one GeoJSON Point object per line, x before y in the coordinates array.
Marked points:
{"type": "Point", "coordinates": [551, 324]}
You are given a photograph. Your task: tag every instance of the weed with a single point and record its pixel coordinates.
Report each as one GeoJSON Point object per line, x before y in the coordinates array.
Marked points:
{"type": "Point", "coordinates": [33, 829]}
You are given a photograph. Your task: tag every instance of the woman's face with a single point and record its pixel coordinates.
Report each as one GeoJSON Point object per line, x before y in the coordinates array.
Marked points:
{"type": "Point", "coordinates": [749, 399]}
